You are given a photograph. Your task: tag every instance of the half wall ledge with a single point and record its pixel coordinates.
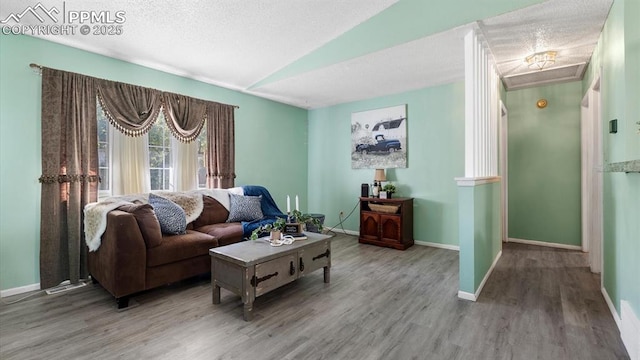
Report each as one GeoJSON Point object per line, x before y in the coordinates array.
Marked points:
{"type": "Point", "coordinates": [632, 166]}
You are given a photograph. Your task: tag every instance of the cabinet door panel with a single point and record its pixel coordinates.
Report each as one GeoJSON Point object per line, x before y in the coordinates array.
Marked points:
{"type": "Point", "coordinates": [275, 273]}
{"type": "Point", "coordinates": [390, 228]}
{"type": "Point", "coordinates": [370, 225]}
{"type": "Point", "coordinates": [314, 258]}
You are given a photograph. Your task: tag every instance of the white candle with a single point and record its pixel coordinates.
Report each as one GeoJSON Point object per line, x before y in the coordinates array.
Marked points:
{"type": "Point", "coordinates": [297, 204]}
{"type": "Point", "coordinates": [288, 204]}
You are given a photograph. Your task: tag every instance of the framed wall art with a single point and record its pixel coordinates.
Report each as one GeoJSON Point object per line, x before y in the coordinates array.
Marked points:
{"type": "Point", "coordinates": [379, 138]}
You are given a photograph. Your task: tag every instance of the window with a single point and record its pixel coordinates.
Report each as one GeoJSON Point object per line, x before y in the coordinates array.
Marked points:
{"type": "Point", "coordinates": [160, 151]}
{"type": "Point", "coordinates": [104, 154]}
{"type": "Point", "coordinates": [160, 155]}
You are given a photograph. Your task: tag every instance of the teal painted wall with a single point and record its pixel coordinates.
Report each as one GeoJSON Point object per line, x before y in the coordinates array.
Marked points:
{"type": "Point", "coordinates": [487, 229]}
{"type": "Point", "coordinates": [266, 133]}
{"type": "Point", "coordinates": [544, 164]}
{"type": "Point", "coordinates": [480, 240]}
{"type": "Point", "coordinates": [435, 129]}
{"type": "Point", "coordinates": [466, 230]}
{"type": "Point", "coordinates": [617, 60]}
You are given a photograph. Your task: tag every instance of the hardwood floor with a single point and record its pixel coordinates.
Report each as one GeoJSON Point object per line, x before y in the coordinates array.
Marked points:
{"type": "Point", "coordinates": [540, 303]}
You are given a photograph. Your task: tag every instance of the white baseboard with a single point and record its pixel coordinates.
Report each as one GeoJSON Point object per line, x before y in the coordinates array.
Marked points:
{"type": "Point", "coordinates": [347, 232]}
{"type": "Point", "coordinates": [466, 295]}
{"type": "Point", "coordinates": [473, 297]}
{"type": "Point", "coordinates": [486, 276]}
{"type": "Point", "coordinates": [630, 330]}
{"type": "Point", "coordinates": [612, 308]}
{"type": "Point", "coordinates": [547, 244]}
{"type": "Point", "coordinates": [628, 324]}
{"type": "Point", "coordinates": [437, 245]}
{"type": "Point", "coordinates": [19, 290]}
{"type": "Point", "coordinates": [416, 242]}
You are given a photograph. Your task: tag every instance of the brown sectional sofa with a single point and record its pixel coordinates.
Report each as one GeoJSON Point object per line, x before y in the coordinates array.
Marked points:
{"type": "Point", "coordinates": [135, 256]}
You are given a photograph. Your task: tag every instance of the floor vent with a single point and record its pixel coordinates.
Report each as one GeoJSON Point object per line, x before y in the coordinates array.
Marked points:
{"type": "Point", "coordinates": [64, 288]}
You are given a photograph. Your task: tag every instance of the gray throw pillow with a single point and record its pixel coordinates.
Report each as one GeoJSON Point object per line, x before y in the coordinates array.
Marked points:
{"type": "Point", "coordinates": [171, 217]}
{"type": "Point", "coordinates": [245, 208]}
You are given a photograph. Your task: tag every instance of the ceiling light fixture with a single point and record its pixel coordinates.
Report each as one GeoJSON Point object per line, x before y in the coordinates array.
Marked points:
{"type": "Point", "coordinates": [540, 60]}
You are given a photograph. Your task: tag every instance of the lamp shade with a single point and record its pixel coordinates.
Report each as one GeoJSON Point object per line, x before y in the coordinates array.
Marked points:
{"type": "Point", "coordinates": [380, 176]}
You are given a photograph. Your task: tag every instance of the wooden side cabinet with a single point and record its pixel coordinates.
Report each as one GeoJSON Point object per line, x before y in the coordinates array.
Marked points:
{"type": "Point", "coordinates": [383, 228]}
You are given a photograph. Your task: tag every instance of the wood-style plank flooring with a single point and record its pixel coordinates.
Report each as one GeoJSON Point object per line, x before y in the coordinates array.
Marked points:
{"type": "Point", "coordinates": [540, 303]}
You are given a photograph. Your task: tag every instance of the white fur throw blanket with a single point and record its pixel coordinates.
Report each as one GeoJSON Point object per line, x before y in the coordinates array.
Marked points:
{"type": "Point", "coordinates": [95, 214]}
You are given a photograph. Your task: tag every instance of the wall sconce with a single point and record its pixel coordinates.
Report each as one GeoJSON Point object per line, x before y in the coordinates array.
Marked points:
{"type": "Point", "coordinates": [540, 60]}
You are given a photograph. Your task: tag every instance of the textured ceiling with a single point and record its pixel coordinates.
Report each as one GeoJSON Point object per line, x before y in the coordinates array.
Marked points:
{"type": "Point", "coordinates": [318, 53]}
{"type": "Point", "coordinates": [570, 27]}
{"type": "Point", "coordinates": [400, 68]}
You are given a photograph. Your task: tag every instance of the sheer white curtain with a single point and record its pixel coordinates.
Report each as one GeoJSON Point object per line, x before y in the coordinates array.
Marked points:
{"type": "Point", "coordinates": [184, 158]}
{"type": "Point", "coordinates": [130, 163]}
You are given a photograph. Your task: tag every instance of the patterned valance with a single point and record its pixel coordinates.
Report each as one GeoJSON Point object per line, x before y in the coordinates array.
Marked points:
{"type": "Point", "coordinates": [130, 109]}
{"type": "Point", "coordinates": [185, 115]}
{"type": "Point", "coordinates": [134, 109]}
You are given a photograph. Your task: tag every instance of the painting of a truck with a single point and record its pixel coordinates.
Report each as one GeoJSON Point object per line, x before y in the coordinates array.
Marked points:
{"type": "Point", "coordinates": [378, 138]}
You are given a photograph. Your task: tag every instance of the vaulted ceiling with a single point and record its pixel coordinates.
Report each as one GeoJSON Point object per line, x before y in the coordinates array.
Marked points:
{"type": "Point", "coordinates": [318, 53]}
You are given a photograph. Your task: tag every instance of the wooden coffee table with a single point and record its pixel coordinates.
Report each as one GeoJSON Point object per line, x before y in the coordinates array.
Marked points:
{"type": "Point", "coordinates": [252, 268]}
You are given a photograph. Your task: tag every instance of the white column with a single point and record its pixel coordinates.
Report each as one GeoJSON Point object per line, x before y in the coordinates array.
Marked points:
{"type": "Point", "coordinates": [481, 109]}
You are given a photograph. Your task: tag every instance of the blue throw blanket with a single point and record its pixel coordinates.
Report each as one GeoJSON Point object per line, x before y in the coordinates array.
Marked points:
{"type": "Point", "coordinates": [269, 209]}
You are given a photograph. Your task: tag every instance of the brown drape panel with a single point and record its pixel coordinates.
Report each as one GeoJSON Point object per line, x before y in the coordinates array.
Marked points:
{"type": "Point", "coordinates": [220, 146]}
{"type": "Point", "coordinates": [69, 173]}
{"type": "Point", "coordinates": [185, 116]}
{"type": "Point", "coordinates": [130, 109]}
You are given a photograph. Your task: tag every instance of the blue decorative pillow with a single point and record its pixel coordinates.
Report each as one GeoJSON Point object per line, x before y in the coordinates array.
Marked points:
{"type": "Point", "coordinates": [245, 208]}
{"type": "Point", "coordinates": [172, 218]}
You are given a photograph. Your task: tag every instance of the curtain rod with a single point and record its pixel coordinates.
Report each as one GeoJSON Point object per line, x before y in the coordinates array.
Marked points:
{"type": "Point", "coordinates": [39, 68]}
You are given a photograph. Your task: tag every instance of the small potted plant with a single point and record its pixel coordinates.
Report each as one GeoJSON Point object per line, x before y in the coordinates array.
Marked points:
{"type": "Point", "coordinates": [274, 229]}
{"type": "Point", "coordinates": [306, 219]}
{"type": "Point", "coordinates": [390, 189]}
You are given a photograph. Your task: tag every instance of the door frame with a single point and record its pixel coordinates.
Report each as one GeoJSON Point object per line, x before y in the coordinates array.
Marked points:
{"type": "Point", "coordinates": [504, 168]}
{"type": "Point", "coordinates": [591, 134]}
